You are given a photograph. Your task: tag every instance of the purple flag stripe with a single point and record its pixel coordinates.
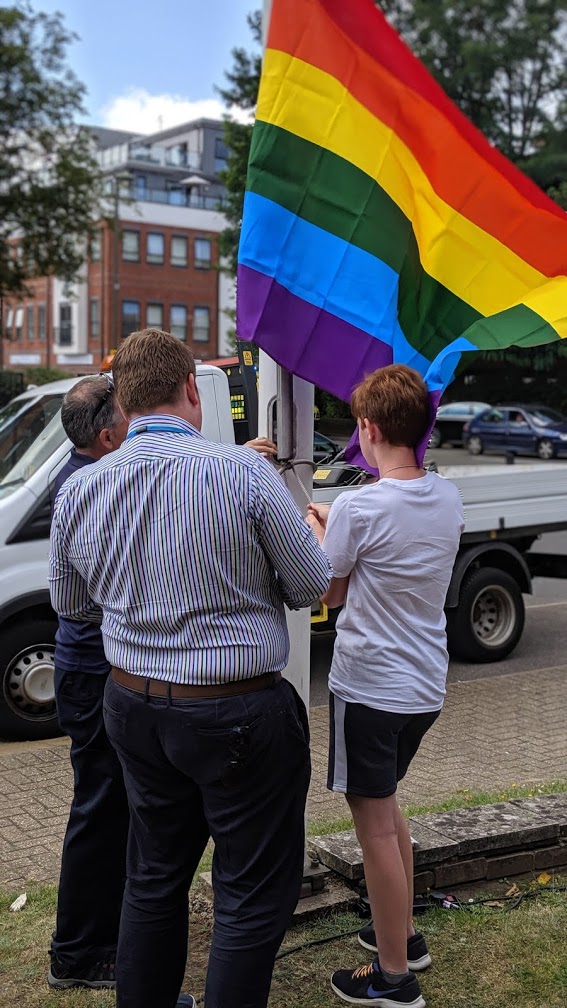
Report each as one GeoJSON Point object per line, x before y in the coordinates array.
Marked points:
{"type": "Point", "coordinates": [303, 338]}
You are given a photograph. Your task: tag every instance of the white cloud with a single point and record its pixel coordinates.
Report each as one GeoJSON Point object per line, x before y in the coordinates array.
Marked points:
{"type": "Point", "coordinates": [142, 112]}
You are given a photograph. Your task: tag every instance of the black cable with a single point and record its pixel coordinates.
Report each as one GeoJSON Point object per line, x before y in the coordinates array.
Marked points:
{"type": "Point", "coordinates": [317, 941]}
{"type": "Point", "coordinates": [514, 901]}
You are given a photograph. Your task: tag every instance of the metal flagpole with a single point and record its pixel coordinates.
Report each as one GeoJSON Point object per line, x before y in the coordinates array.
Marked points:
{"type": "Point", "coordinates": [287, 401]}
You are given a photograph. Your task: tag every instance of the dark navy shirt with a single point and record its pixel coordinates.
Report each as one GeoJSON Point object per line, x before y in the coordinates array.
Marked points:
{"type": "Point", "coordinates": [78, 645]}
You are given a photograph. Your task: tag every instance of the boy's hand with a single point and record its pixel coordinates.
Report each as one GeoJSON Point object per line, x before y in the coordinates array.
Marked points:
{"type": "Point", "coordinates": [320, 512]}
{"type": "Point", "coordinates": [317, 526]}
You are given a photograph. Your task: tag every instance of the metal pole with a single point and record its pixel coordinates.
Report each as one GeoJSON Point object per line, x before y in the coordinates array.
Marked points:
{"type": "Point", "coordinates": [288, 402]}
{"type": "Point", "coordinates": [115, 255]}
{"type": "Point", "coordinates": [1, 333]}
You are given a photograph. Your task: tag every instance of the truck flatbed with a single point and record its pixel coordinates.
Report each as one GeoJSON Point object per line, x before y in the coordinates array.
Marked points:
{"type": "Point", "coordinates": [501, 498]}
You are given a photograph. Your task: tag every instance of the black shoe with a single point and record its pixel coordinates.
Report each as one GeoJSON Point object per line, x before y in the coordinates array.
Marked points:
{"type": "Point", "coordinates": [186, 1001]}
{"type": "Point", "coordinates": [418, 953]}
{"type": "Point", "coordinates": [367, 986]}
{"type": "Point", "coordinates": [100, 976]}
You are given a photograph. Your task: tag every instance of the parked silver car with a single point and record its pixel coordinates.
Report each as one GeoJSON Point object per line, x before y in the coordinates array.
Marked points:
{"type": "Point", "coordinates": [450, 421]}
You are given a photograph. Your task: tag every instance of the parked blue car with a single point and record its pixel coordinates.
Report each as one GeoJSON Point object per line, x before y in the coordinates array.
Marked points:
{"type": "Point", "coordinates": [520, 429]}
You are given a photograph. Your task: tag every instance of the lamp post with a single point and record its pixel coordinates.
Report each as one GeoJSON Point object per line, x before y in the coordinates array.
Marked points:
{"type": "Point", "coordinates": [124, 178]}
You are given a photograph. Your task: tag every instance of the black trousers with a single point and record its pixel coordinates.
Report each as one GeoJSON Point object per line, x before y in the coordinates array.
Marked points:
{"type": "Point", "coordinates": [93, 865]}
{"type": "Point", "coordinates": [236, 769]}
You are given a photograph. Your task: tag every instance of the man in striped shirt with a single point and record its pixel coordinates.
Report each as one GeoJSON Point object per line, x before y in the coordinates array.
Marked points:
{"type": "Point", "coordinates": [191, 550]}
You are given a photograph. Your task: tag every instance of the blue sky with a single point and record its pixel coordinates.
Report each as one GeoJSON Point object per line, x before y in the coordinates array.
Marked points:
{"type": "Point", "coordinates": [152, 65]}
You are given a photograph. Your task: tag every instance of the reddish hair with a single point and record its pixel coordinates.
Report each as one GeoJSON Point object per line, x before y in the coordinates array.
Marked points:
{"type": "Point", "coordinates": [396, 399]}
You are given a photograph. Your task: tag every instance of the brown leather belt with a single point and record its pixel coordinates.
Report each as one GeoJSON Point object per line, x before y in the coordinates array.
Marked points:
{"type": "Point", "coordinates": [161, 688]}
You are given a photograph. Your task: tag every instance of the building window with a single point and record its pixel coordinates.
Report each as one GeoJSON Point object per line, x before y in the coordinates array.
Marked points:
{"type": "Point", "coordinates": [154, 316]}
{"type": "Point", "coordinates": [178, 251]}
{"type": "Point", "coordinates": [30, 322]}
{"type": "Point", "coordinates": [202, 253]}
{"type": "Point", "coordinates": [176, 196]}
{"type": "Point", "coordinates": [130, 317]}
{"type": "Point", "coordinates": [19, 322]}
{"type": "Point", "coordinates": [131, 246]}
{"type": "Point", "coordinates": [155, 248]}
{"type": "Point", "coordinates": [65, 330]}
{"type": "Point", "coordinates": [94, 310]}
{"type": "Point", "coordinates": [95, 250]}
{"type": "Point", "coordinates": [9, 323]}
{"type": "Point", "coordinates": [221, 155]}
{"type": "Point", "coordinates": [201, 324]}
{"type": "Point", "coordinates": [140, 187]}
{"type": "Point", "coordinates": [41, 322]}
{"type": "Point", "coordinates": [178, 321]}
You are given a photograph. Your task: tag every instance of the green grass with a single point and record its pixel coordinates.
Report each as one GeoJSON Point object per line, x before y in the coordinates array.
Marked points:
{"type": "Point", "coordinates": [483, 957]}
{"type": "Point", "coordinates": [461, 799]}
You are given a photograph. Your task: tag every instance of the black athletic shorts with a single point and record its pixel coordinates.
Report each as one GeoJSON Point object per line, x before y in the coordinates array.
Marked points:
{"type": "Point", "coordinates": [370, 750]}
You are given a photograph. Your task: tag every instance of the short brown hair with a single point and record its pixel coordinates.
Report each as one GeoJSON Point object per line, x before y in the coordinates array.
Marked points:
{"type": "Point", "coordinates": [150, 369]}
{"type": "Point", "coordinates": [396, 399]}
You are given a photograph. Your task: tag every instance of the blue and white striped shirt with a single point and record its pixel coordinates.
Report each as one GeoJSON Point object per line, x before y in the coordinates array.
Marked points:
{"type": "Point", "coordinates": [189, 548]}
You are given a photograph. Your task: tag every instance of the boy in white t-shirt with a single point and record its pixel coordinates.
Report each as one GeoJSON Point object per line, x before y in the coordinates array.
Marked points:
{"type": "Point", "coordinates": [392, 545]}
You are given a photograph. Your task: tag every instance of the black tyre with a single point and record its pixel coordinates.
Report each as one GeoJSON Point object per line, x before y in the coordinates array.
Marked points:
{"type": "Point", "coordinates": [436, 439]}
{"type": "Point", "coordinates": [475, 445]}
{"type": "Point", "coordinates": [27, 695]}
{"type": "Point", "coordinates": [489, 619]}
{"type": "Point", "coordinates": [546, 449]}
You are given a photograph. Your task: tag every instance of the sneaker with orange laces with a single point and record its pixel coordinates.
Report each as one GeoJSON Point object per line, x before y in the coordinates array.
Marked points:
{"type": "Point", "coordinates": [367, 986]}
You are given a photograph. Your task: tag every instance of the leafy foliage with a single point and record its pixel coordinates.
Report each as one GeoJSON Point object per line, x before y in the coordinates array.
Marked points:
{"type": "Point", "coordinates": [50, 184]}
{"type": "Point", "coordinates": [241, 91]}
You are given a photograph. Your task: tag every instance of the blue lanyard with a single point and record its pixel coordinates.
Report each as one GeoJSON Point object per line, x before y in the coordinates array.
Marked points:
{"type": "Point", "coordinates": [157, 427]}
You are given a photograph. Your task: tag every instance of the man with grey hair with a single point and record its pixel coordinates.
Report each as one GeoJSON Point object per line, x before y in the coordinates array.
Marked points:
{"type": "Point", "coordinates": [91, 885]}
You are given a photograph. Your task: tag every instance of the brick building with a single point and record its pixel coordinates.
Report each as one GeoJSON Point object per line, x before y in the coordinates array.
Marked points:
{"type": "Point", "coordinates": [154, 260]}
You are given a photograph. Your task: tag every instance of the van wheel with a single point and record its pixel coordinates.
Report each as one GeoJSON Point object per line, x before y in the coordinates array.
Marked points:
{"type": "Point", "coordinates": [27, 693]}
{"type": "Point", "coordinates": [489, 619]}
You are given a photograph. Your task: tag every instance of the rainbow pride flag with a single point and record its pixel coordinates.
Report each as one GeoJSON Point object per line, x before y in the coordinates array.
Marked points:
{"type": "Point", "coordinates": [379, 225]}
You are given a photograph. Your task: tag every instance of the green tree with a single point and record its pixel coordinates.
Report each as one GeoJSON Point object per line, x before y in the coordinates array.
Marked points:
{"type": "Point", "coordinates": [50, 183]}
{"type": "Point", "coordinates": [241, 91]}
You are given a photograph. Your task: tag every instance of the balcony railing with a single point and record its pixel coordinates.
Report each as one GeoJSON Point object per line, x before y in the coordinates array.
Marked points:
{"type": "Point", "coordinates": [149, 154]}
{"type": "Point", "coordinates": [176, 197]}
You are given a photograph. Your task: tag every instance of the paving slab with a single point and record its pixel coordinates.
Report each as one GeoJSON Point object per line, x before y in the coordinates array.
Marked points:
{"type": "Point", "coordinates": [488, 828]}
{"type": "Point", "coordinates": [341, 851]}
{"type": "Point", "coordinates": [493, 733]}
{"type": "Point", "coordinates": [550, 808]}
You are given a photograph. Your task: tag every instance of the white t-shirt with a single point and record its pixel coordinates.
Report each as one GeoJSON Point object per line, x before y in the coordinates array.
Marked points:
{"type": "Point", "coordinates": [397, 539]}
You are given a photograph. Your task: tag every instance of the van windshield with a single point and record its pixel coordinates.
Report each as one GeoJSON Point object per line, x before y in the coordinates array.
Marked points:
{"type": "Point", "coordinates": [30, 431]}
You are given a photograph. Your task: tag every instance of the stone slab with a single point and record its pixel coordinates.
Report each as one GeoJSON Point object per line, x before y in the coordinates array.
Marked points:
{"type": "Point", "coordinates": [550, 808]}
{"type": "Point", "coordinates": [550, 857]}
{"type": "Point", "coordinates": [487, 828]}
{"type": "Point", "coordinates": [335, 896]}
{"type": "Point", "coordinates": [342, 853]}
{"type": "Point", "coordinates": [459, 872]}
{"type": "Point", "coordinates": [510, 864]}
{"type": "Point", "coordinates": [433, 845]}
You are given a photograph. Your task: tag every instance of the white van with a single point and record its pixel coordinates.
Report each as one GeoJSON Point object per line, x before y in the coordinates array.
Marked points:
{"type": "Point", "coordinates": [33, 448]}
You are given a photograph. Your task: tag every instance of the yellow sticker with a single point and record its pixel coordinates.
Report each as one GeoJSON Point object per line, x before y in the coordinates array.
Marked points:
{"type": "Point", "coordinates": [247, 357]}
{"type": "Point", "coordinates": [321, 474]}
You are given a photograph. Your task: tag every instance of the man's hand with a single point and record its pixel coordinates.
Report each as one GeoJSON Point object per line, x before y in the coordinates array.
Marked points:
{"type": "Point", "coordinates": [264, 446]}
